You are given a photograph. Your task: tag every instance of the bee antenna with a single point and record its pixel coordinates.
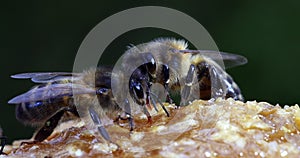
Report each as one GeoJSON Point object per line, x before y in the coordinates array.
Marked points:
{"type": "Point", "coordinates": [161, 104]}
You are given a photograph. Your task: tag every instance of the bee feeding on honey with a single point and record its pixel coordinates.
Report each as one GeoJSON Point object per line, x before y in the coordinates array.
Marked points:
{"type": "Point", "coordinates": [195, 74]}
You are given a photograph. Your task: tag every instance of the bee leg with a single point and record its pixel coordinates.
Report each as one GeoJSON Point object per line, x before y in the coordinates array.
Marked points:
{"type": "Point", "coordinates": [166, 74]}
{"type": "Point", "coordinates": [128, 118]}
{"type": "Point", "coordinates": [73, 110]}
{"type": "Point", "coordinates": [128, 114]}
{"type": "Point", "coordinates": [48, 127]}
{"type": "Point", "coordinates": [3, 143]}
{"type": "Point", "coordinates": [161, 104]}
{"type": "Point", "coordinates": [204, 79]}
{"type": "Point", "coordinates": [152, 101]}
{"type": "Point", "coordinates": [187, 85]}
{"type": "Point", "coordinates": [146, 112]}
{"type": "Point", "coordinates": [96, 119]}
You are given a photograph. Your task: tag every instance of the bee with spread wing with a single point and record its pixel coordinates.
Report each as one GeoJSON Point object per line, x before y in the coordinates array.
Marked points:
{"type": "Point", "coordinates": [196, 74]}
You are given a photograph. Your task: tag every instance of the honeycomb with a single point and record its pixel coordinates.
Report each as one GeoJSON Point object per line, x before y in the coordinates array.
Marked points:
{"type": "Point", "coordinates": [214, 128]}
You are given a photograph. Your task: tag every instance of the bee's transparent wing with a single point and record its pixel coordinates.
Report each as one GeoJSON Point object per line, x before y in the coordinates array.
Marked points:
{"type": "Point", "coordinates": [45, 77]}
{"type": "Point", "coordinates": [51, 91]}
{"type": "Point", "coordinates": [230, 60]}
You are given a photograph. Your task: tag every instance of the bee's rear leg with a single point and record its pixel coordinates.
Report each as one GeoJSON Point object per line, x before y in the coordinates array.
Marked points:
{"type": "Point", "coordinates": [187, 85]}
{"type": "Point", "coordinates": [3, 143]}
{"type": "Point", "coordinates": [48, 127]}
{"type": "Point", "coordinates": [96, 119]}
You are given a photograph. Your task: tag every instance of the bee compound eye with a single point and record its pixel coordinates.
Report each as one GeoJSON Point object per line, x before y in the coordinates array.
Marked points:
{"type": "Point", "coordinates": [151, 63]}
{"type": "Point", "coordinates": [102, 91]}
{"type": "Point", "coordinates": [138, 91]}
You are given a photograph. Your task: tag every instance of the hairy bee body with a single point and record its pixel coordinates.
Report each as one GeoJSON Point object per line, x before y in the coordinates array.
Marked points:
{"type": "Point", "coordinates": [37, 112]}
{"type": "Point", "coordinates": [172, 64]}
{"type": "Point", "coordinates": [98, 79]}
{"type": "Point", "coordinates": [43, 101]}
{"type": "Point", "coordinates": [193, 73]}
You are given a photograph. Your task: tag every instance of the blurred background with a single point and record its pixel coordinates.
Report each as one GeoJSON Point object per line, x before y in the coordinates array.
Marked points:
{"type": "Point", "coordinates": [38, 36]}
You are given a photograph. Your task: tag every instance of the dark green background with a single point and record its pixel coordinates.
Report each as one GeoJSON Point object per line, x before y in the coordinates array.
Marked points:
{"type": "Point", "coordinates": [39, 36]}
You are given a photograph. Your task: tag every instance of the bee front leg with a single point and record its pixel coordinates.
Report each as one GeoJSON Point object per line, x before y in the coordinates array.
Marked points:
{"type": "Point", "coordinates": [187, 85]}
{"type": "Point", "coordinates": [96, 119]}
{"type": "Point", "coordinates": [128, 114]}
{"type": "Point", "coordinates": [146, 112]}
{"type": "Point", "coordinates": [159, 101]}
{"type": "Point", "coordinates": [127, 111]}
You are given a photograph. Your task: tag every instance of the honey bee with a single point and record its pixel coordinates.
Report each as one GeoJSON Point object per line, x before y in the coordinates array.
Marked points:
{"type": "Point", "coordinates": [196, 74]}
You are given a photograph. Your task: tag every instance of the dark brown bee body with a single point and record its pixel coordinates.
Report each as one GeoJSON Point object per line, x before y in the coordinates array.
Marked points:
{"type": "Point", "coordinates": [39, 110]}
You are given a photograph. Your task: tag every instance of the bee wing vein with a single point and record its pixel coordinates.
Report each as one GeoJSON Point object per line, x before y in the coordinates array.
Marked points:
{"type": "Point", "coordinates": [230, 60]}
{"type": "Point", "coordinates": [44, 77]}
{"type": "Point", "coordinates": [51, 91]}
